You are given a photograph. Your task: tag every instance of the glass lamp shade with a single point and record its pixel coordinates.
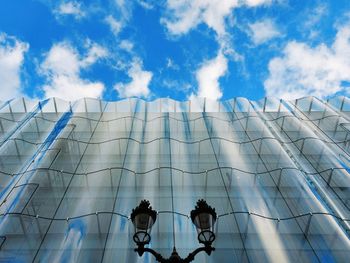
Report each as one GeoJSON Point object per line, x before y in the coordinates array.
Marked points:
{"type": "Point", "coordinates": [204, 221]}
{"type": "Point", "coordinates": [143, 222]}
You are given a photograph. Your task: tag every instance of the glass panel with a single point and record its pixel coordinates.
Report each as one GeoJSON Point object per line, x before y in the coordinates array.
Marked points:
{"type": "Point", "coordinates": [276, 172]}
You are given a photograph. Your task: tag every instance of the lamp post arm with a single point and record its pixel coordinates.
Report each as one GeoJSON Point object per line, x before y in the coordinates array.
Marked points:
{"type": "Point", "coordinates": [158, 256]}
{"type": "Point", "coordinates": [191, 256]}
{"type": "Point", "coordinates": [161, 259]}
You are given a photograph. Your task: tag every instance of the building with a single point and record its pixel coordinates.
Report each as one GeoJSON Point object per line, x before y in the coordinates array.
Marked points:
{"type": "Point", "coordinates": [277, 172]}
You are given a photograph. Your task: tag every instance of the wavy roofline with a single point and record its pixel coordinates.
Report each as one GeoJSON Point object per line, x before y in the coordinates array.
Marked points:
{"type": "Point", "coordinates": [87, 104]}
{"type": "Point", "coordinates": [171, 99]}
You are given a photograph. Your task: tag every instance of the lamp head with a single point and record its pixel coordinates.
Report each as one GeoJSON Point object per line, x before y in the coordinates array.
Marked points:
{"type": "Point", "coordinates": [204, 217]}
{"type": "Point", "coordinates": [143, 218]}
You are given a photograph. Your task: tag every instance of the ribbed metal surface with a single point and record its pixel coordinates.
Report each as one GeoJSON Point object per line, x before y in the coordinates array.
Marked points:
{"type": "Point", "coordinates": [276, 171]}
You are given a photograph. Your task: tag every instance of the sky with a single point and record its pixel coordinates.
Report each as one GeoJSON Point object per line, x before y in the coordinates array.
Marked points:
{"type": "Point", "coordinates": [179, 49]}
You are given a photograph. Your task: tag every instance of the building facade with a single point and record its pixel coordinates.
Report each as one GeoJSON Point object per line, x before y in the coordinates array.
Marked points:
{"type": "Point", "coordinates": [277, 173]}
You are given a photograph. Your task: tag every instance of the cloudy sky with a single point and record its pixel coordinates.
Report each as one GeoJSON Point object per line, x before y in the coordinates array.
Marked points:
{"type": "Point", "coordinates": [112, 49]}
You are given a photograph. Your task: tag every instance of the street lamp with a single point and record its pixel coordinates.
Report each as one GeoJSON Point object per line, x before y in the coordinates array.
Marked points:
{"type": "Point", "coordinates": [143, 218]}
{"type": "Point", "coordinates": [203, 217]}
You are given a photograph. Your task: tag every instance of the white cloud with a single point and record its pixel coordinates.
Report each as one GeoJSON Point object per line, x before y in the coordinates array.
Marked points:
{"type": "Point", "coordinates": [72, 88]}
{"type": "Point", "coordinates": [70, 8]}
{"type": "Point", "coordinates": [115, 25]}
{"type": "Point", "coordinates": [176, 85]}
{"type": "Point", "coordinates": [185, 15]}
{"type": "Point", "coordinates": [140, 80]}
{"type": "Point", "coordinates": [263, 31]}
{"type": "Point", "coordinates": [208, 76]}
{"type": "Point", "coordinates": [123, 10]}
{"type": "Point", "coordinates": [62, 66]}
{"type": "Point", "coordinates": [170, 64]}
{"type": "Point", "coordinates": [145, 4]}
{"type": "Point", "coordinates": [253, 3]}
{"type": "Point", "coordinates": [318, 71]}
{"type": "Point", "coordinates": [312, 19]}
{"type": "Point", "coordinates": [315, 15]}
{"type": "Point", "coordinates": [95, 52]}
{"type": "Point", "coordinates": [11, 59]}
{"type": "Point", "coordinates": [126, 45]}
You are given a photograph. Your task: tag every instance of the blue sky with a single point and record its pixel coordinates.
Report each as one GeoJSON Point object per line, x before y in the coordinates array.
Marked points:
{"type": "Point", "coordinates": [112, 49]}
